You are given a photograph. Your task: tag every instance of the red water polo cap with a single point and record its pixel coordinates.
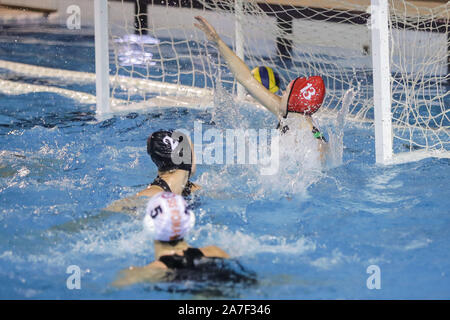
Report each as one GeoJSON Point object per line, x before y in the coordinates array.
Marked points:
{"type": "Point", "coordinates": [306, 95]}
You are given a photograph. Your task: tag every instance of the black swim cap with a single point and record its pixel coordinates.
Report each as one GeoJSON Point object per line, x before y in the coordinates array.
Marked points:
{"type": "Point", "coordinates": [170, 150]}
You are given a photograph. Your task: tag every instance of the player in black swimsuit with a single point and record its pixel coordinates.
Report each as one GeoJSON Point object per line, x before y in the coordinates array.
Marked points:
{"type": "Point", "coordinates": [168, 220]}
{"type": "Point", "coordinates": [301, 99]}
{"type": "Point", "coordinates": [172, 153]}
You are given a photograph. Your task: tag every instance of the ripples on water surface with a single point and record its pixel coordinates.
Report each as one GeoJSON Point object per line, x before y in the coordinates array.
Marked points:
{"type": "Point", "coordinates": [307, 233]}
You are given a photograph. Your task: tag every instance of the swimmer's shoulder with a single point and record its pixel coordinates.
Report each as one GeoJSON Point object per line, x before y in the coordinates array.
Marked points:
{"type": "Point", "coordinates": [153, 272]}
{"type": "Point", "coordinates": [214, 252]}
{"type": "Point", "coordinates": [195, 187]}
{"type": "Point", "coordinates": [156, 265]}
{"type": "Point", "coordinates": [150, 191]}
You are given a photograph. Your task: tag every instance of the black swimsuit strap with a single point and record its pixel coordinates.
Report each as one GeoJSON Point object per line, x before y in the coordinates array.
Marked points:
{"type": "Point", "coordinates": [187, 189]}
{"type": "Point", "coordinates": [282, 129]}
{"type": "Point", "coordinates": [163, 185]}
{"type": "Point", "coordinates": [317, 134]}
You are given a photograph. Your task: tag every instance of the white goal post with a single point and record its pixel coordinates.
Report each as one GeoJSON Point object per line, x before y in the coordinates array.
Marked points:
{"type": "Point", "coordinates": [381, 80]}
{"type": "Point", "coordinates": [102, 56]}
{"type": "Point", "coordinates": [394, 53]}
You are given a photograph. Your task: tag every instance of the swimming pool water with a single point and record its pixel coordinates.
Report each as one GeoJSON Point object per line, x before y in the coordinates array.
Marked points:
{"type": "Point", "coordinates": [309, 233]}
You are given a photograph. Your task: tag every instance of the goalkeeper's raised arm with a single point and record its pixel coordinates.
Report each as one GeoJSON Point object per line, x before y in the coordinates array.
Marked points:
{"type": "Point", "coordinates": [302, 97]}
{"type": "Point", "coordinates": [241, 71]}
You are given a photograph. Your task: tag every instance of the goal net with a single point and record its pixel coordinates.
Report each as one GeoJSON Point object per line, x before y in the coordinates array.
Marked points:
{"type": "Point", "coordinates": [156, 42]}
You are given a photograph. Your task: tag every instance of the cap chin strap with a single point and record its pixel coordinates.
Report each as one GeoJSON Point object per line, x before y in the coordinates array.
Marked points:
{"type": "Point", "coordinates": [187, 166]}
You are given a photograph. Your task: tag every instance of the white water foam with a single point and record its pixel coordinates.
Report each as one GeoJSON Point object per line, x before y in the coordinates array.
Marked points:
{"type": "Point", "coordinates": [237, 243]}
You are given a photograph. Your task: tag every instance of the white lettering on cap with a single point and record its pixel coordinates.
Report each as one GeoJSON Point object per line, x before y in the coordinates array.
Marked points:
{"type": "Point", "coordinates": [169, 140]}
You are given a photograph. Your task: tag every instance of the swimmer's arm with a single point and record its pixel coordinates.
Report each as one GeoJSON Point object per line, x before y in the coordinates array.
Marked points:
{"type": "Point", "coordinates": [214, 252]}
{"type": "Point", "coordinates": [153, 272]}
{"type": "Point", "coordinates": [130, 204]}
{"type": "Point", "coordinates": [322, 146]}
{"type": "Point", "coordinates": [323, 150]}
{"type": "Point", "coordinates": [240, 70]}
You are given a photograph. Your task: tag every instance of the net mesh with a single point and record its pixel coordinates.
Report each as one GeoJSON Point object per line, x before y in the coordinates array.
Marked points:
{"type": "Point", "coordinates": [331, 38]}
{"type": "Point", "coordinates": [419, 60]}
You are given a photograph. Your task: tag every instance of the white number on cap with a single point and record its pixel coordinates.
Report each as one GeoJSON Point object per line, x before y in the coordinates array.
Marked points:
{"type": "Point", "coordinates": [308, 91]}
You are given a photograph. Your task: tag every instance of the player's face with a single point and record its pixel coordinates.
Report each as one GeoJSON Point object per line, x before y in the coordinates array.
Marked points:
{"type": "Point", "coordinates": [288, 89]}
{"type": "Point", "coordinates": [285, 96]}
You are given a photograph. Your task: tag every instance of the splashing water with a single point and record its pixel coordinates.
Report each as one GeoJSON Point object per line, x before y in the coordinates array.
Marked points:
{"type": "Point", "coordinates": [336, 143]}
{"type": "Point", "coordinates": [298, 164]}
{"type": "Point", "coordinates": [309, 231]}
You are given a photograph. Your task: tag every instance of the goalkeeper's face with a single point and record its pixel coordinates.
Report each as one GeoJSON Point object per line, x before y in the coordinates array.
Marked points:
{"type": "Point", "coordinates": [287, 91]}
{"type": "Point", "coordinates": [285, 97]}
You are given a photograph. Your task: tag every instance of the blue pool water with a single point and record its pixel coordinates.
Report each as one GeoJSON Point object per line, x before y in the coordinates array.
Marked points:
{"type": "Point", "coordinates": [307, 233]}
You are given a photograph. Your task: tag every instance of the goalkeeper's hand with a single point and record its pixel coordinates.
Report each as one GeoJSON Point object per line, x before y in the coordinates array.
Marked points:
{"type": "Point", "coordinates": [208, 29]}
